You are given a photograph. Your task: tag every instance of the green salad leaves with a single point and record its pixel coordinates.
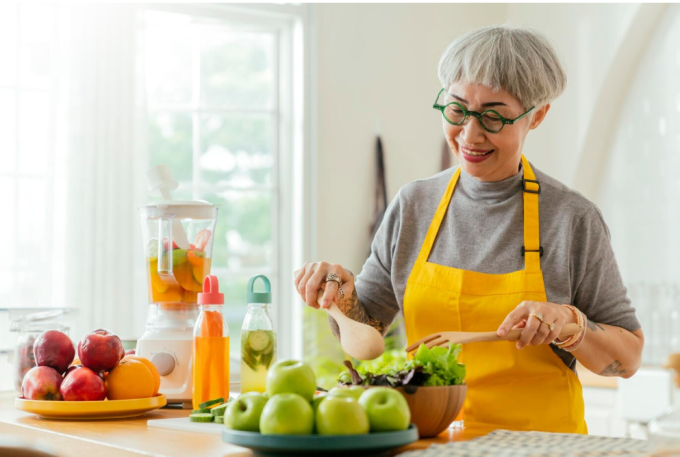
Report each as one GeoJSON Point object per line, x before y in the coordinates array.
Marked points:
{"type": "Point", "coordinates": [429, 367]}
{"type": "Point", "coordinates": [441, 363]}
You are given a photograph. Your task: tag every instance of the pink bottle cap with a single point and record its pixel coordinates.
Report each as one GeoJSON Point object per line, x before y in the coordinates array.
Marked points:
{"type": "Point", "coordinates": [211, 292]}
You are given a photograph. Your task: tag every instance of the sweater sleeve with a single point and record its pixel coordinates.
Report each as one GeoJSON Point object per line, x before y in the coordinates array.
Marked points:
{"type": "Point", "coordinates": [597, 287]}
{"type": "Point", "coordinates": [374, 285]}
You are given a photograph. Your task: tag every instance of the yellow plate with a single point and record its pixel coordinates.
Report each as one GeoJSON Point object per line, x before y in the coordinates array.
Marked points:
{"type": "Point", "coordinates": [88, 410]}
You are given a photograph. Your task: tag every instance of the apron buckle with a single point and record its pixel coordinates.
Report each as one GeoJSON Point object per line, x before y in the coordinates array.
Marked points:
{"type": "Point", "coordinates": [539, 250]}
{"type": "Point", "coordinates": [531, 191]}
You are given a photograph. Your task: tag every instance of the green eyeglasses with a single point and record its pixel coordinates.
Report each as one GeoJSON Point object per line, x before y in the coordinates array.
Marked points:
{"type": "Point", "coordinates": [490, 120]}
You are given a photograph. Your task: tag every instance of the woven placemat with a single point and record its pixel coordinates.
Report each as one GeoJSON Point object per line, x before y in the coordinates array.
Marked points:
{"type": "Point", "coordinates": [505, 443]}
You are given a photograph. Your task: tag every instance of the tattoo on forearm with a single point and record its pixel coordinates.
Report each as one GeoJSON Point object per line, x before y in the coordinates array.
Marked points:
{"type": "Point", "coordinates": [613, 369]}
{"type": "Point", "coordinates": [351, 308]}
{"type": "Point", "coordinates": [594, 326]}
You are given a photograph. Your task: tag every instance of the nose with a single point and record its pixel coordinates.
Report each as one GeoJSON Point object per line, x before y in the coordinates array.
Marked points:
{"type": "Point", "coordinates": [472, 132]}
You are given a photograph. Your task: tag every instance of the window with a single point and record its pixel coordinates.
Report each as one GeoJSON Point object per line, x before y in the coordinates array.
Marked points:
{"type": "Point", "coordinates": [27, 35]}
{"type": "Point", "coordinates": [216, 116]}
{"type": "Point", "coordinates": [91, 96]}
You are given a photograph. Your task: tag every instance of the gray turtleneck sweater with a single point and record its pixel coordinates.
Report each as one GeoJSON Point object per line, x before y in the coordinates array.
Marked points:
{"type": "Point", "coordinates": [483, 231]}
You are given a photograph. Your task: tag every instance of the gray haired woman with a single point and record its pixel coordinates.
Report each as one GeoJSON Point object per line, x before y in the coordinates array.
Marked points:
{"type": "Point", "coordinates": [478, 259]}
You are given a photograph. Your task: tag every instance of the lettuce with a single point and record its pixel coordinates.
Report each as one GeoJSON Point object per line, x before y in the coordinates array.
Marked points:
{"type": "Point", "coordinates": [430, 367]}
{"type": "Point", "coordinates": [441, 363]}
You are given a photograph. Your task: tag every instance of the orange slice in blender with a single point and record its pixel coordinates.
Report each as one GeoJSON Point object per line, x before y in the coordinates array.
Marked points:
{"type": "Point", "coordinates": [190, 297]}
{"type": "Point", "coordinates": [156, 282]}
{"type": "Point", "coordinates": [173, 294]}
{"type": "Point", "coordinates": [195, 258]}
{"type": "Point", "coordinates": [185, 278]}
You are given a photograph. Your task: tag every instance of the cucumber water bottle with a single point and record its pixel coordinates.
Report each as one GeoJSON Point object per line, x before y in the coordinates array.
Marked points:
{"type": "Point", "coordinates": [258, 338]}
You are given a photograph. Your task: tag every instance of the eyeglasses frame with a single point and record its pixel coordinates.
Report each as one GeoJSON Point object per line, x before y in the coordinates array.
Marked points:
{"type": "Point", "coordinates": [476, 114]}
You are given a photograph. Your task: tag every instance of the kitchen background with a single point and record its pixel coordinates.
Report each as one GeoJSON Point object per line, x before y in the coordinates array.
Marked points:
{"type": "Point", "coordinates": [272, 112]}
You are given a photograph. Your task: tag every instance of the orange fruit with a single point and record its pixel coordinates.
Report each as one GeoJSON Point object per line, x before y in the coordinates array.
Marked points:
{"type": "Point", "coordinates": [152, 369]}
{"type": "Point", "coordinates": [130, 379]}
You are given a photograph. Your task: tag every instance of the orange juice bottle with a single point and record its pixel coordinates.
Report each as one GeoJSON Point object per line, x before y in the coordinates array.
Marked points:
{"type": "Point", "coordinates": [211, 346]}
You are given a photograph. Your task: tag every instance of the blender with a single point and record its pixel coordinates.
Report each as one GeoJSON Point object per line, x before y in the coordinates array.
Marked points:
{"type": "Point", "coordinates": [178, 240]}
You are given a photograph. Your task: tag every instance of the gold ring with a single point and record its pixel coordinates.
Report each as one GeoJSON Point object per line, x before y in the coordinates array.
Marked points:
{"type": "Point", "coordinates": [537, 316]}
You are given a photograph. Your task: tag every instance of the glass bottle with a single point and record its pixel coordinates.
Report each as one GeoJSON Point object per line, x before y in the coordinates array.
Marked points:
{"type": "Point", "coordinates": [211, 346]}
{"type": "Point", "coordinates": [258, 338]}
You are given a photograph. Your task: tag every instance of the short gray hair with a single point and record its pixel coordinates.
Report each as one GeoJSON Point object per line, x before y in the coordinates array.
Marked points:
{"type": "Point", "coordinates": [517, 59]}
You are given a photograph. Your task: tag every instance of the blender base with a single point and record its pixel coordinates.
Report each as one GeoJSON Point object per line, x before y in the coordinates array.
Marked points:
{"type": "Point", "coordinates": [171, 351]}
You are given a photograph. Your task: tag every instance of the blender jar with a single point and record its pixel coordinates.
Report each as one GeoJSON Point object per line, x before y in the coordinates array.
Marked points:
{"type": "Point", "coordinates": [178, 240]}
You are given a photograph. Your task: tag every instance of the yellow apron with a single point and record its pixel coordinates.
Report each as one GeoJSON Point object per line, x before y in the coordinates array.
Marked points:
{"type": "Point", "coordinates": [531, 389]}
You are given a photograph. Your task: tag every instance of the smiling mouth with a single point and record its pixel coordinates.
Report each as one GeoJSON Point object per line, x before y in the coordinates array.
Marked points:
{"type": "Point", "coordinates": [475, 152]}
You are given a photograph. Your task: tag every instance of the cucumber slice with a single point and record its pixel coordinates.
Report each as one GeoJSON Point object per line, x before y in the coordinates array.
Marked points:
{"type": "Point", "coordinates": [269, 347]}
{"type": "Point", "coordinates": [211, 403]}
{"type": "Point", "coordinates": [179, 256]}
{"type": "Point", "coordinates": [200, 417]}
{"type": "Point", "coordinates": [218, 411]}
{"type": "Point", "coordinates": [258, 340]}
{"type": "Point", "coordinates": [200, 411]}
{"type": "Point", "coordinates": [219, 419]}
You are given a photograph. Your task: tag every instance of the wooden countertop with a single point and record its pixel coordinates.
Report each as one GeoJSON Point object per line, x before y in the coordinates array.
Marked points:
{"type": "Point", "coordinates": [131, 437]}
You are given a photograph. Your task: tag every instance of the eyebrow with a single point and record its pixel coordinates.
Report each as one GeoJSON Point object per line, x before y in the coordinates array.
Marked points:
{"type": "Point", "coordinates": [484, 105]}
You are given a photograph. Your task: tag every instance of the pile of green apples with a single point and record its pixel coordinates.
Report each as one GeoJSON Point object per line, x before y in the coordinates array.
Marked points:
{"type": "Point", "coordinates": [292, 406]}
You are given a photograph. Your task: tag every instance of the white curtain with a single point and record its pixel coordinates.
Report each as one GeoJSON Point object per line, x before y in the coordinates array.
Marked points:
{"type": "Point", "coordinates": [101, 165]}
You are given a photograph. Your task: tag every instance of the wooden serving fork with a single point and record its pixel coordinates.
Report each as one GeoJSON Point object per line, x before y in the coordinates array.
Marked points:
{"type": "Point", "coordinates": [445, 338]}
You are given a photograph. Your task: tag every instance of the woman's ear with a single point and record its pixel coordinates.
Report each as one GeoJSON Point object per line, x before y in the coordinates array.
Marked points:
{"type": "Point", "coordinates": [538, 116]}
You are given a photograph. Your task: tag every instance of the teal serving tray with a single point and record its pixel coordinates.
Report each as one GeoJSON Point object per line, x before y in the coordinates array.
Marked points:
{"type": "Point", "coordinates": [285, 445]}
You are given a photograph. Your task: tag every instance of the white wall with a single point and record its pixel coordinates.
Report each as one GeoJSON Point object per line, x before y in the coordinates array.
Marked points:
{"type": "Point", "coordinates": [586, 37]}
{"type": "Point", "coordinates": [377, 69]}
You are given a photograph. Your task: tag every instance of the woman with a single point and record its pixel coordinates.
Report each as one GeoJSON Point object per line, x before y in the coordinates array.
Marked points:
{"type": "Point", "coordinates": [478, 259]}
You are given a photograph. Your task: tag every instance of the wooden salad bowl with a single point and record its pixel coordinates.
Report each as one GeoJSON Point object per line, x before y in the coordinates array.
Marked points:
{"type": "Point", "coordinates": [434, 408]}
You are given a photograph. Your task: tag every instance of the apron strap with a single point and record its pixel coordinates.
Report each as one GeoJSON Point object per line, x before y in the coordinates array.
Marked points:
{"type": "Point", "coordinates": [532, 249]}
{"type": "Point", "coordinates": [428, 242]}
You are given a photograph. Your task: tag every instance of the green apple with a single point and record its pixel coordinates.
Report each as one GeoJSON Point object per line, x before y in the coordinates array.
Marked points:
{"type": "Point", "coordinates": [244, 412]}
{"type": "Point", "coordinates": [338, 415]}
{"type": "Point", "coordinates": [291, 376]}
{"type": "Point", "coordinates": [287, 414]}
{"type": "Point", "coordinates": [353, 391]}
{"type": "Point", "coordinates": [318, 398]}
{"type": "Point", "coordinates": [387, 409]}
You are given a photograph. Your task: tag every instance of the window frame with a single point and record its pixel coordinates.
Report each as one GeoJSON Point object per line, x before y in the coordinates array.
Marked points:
{"type": "Point", "coordinates": [292, 206]}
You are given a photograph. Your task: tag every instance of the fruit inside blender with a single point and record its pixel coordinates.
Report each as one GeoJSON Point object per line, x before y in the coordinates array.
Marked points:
{"type": "Point", "coordinates": [189, 269]}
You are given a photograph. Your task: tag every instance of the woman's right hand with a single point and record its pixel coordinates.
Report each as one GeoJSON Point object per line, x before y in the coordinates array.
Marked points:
{"type": "Point", "coordinates": [312, 277]}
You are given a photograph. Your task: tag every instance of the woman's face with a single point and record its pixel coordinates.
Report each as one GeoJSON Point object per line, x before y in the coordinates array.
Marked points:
{"type": "Point", "coordinates": [484, 155]}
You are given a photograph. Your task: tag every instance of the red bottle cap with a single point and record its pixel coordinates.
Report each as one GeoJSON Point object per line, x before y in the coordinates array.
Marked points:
{"type": "Point", "coordinates": [211, 292]}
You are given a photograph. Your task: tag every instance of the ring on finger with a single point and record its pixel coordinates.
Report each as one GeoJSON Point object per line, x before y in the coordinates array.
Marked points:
{"type": "Point", "coordinates": [341, 292]}
{"type": "Point", "coordinates": [540, 318]}
{"type": "Point", "coordinates": [332, 277]}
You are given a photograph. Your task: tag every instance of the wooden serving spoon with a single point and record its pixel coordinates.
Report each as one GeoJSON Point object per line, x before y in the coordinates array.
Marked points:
{"type": "Point", "coordinates": [361, 341]}
{"type": "Point", "coordinates": [446, 338]}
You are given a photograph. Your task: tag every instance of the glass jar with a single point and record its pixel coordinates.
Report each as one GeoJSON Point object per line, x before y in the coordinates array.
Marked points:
{"type": "Point", "coordinates": [28, 328]}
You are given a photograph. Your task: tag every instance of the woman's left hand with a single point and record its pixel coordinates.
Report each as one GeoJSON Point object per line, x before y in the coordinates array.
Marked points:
{"type": "Point", "coordinates": [528, 315]}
